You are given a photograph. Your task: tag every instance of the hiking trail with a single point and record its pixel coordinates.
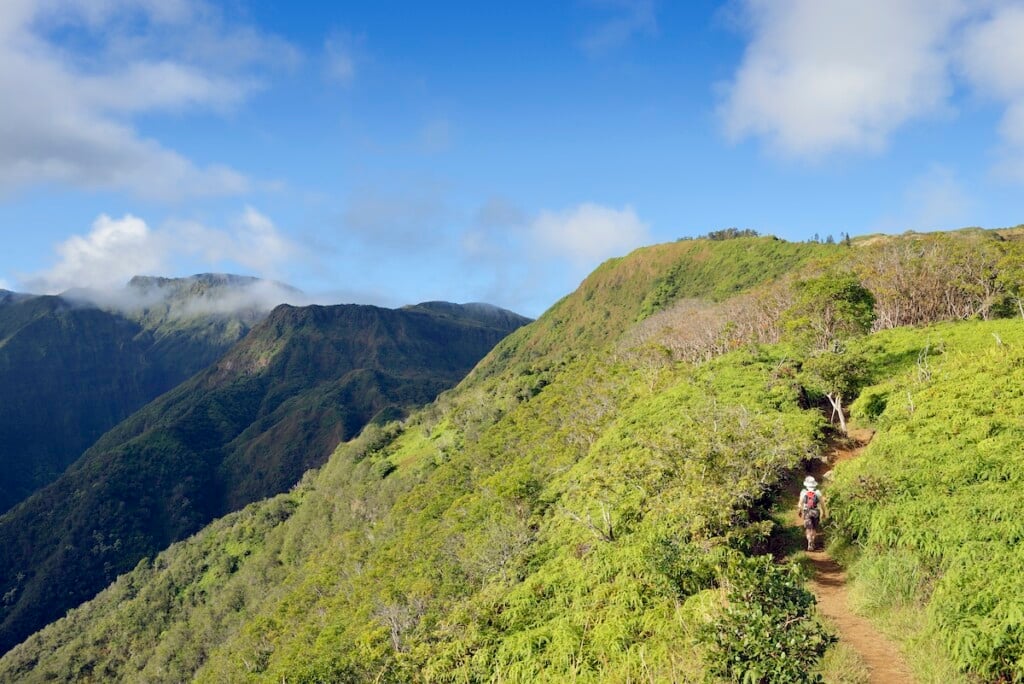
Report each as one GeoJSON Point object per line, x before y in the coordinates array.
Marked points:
{"type": "Point", "coordinates": [880, 654]}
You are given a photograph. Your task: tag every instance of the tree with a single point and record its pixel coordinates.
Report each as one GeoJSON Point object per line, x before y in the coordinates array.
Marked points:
{"type": "Point", "coordinates": [837, 375]}
{"type": "Point", "coordinates": [830, 311]}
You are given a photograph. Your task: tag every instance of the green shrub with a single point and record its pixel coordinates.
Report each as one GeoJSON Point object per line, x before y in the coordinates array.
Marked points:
{"type": "Point", "coordinates": [767, 631]}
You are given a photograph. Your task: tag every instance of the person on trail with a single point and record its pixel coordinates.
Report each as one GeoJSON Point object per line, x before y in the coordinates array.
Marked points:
{"type": "Point", "coordinates": [809, 510]}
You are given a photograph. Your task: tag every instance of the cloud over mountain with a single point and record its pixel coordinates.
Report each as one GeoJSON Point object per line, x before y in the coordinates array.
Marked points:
{"type": "Point", "coordinates": [588, 233]}
{"type": "Point", "coordinates": [115, 250]}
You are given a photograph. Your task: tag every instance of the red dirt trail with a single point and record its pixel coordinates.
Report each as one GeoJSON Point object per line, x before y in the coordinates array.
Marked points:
{"type": "Point", "coordinates": [884, 661]}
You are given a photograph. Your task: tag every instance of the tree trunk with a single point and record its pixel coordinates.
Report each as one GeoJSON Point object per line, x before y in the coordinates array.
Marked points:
{"type": "Point", "coordinates": [837, 408]}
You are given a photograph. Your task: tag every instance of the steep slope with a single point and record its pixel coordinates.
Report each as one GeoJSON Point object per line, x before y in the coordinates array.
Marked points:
{"type": "Point", "coordinates": [72, 367]}
{"type": "Point", "coordinates": [246, 428]}
{"type": "Point", "coordinates": [588, 505]}
{"type": "Point", "coordinates": [69, 373]}
{"type": "Point", "coordinates": [557, 482]}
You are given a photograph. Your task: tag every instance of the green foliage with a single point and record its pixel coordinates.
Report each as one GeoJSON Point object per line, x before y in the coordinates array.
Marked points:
{"type": "Point", "coordinates": [572, 513]}
{"type": "Point", "coordinates": [731, 234]}
{"type": "Point", "coordinates": [767, 632]}
{"type": "Point", "coordinates": [829, 310]}
{"type": "Point", "coordinates": [837, 373]}
{"type": "Point", "coordinates": [544, 521]}
{"type": "Point", "coordinates": [934, 503]}
{"type": "Point", "coordinates": [719, 269]}
{"type": "Point", "coordinates": [248, 427]}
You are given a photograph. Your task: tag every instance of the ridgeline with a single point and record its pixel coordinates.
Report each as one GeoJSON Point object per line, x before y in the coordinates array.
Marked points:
{"type": "Point", "coordinates": [245, 428]}
{"type": "Point", "coordinates": [592, 503]}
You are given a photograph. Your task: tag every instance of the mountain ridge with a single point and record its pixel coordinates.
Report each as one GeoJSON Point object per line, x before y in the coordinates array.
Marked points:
{"type": "Point", "coordinates": [306, 376]}
{"type": "Point", "coordinates": [592, 502]}
{"type": "Point", "coordinates": [119, 360]}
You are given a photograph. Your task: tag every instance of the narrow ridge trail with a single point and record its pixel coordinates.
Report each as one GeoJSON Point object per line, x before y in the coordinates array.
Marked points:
{"type": "Point", "coordinates": [882, 657]}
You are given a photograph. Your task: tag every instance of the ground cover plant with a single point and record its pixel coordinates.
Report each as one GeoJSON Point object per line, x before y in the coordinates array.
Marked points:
{"type": "Point", "coordinates": [590, 504]}
{"type": "Point", "coordinates": [933, 508]}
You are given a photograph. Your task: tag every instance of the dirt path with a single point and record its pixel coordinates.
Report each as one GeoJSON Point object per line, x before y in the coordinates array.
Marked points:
{"type": "Point", "coordinates": [881, 656]}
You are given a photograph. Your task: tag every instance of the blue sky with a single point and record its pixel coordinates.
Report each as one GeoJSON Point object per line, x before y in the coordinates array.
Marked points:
{"type": "Point", "coordinates": [394, 152]}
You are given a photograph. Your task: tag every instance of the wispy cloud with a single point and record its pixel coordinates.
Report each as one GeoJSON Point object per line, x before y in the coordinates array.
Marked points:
{"type": "Point", "coordinates": [520, 260]}
{"type": "Point", "coordinates": [934, 200]}
{"type": "Point", "coordinates": [340, 58]}
{"type": "Point", "coordinates": [115, 249]}
{"type": "Point", "coordinates": [68, 116]}
{"type": "Point", "coordinates": [402, 218]}
{"type": "Point", "coordinates": [622, 20]}
{"type": "Point", "coordinates": [992, 57]}
{"type": "Point", "coordinates": [588, 233]}
{"type": "Point", "coordinates": [937, 200]}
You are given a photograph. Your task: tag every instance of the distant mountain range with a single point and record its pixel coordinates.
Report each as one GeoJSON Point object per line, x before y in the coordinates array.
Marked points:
{"type": "Point", "coordinates": [73, 366]}
{"type": "Point", "coordinates": [247, 426]}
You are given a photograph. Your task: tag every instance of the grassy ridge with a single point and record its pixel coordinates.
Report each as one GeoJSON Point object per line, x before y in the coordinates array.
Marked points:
{"type": "Point", "coordinates": [563, 513]}
{"type": "Point", "coordinates": [571, 512]}
{"type": "Point", "coordinates": [459, 563]}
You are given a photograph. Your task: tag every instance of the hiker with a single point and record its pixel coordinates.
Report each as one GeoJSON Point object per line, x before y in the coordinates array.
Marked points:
{"type": "Point", "coordinates": [809, 510]}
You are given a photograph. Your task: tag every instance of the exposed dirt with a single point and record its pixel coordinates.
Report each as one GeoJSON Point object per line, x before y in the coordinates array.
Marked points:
{"type": "Point", "coordinates": [882, 657]}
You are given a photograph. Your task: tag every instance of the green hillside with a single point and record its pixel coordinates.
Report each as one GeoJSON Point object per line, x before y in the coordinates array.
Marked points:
{"type": "Point", "coordinates": [592, 503]}
{"type": "Point", "coordinates": [246, 428]}
{"type": "Point", "coordinates": [934, 508]}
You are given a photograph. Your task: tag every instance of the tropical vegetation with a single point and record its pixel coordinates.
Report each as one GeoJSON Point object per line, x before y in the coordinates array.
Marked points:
{"type": "Point", "coordinates": [592, 503]}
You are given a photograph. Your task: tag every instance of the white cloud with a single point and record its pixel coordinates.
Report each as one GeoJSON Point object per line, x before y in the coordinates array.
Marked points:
{"type": "Point", "coordinates": [67, 117]}
{"type": "Point", "coordinates": [114, 250]}
{"type": "Point", "coordinates": [992, 52]}
{"type": "Point", "coordinates": [824, 77]}
{"type": "Point", "coordinates": [992, 59]}
{"type": "Point", "coordinates": [589, 233]}
{"type": "Point", "coordinates": [628, 18]}
{"type": "Point", "coordinates": [4, 285]}
{"type": "Point", "coordinates": [819, 77]}
{"type": "Point", "coordinates": [525, 261]}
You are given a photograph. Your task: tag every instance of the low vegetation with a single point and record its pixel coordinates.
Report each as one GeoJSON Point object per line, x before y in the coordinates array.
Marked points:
{"type": "Point", "coordinates": [591, 503]}
{"type": "Point", "coordinates": [932, 512]}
